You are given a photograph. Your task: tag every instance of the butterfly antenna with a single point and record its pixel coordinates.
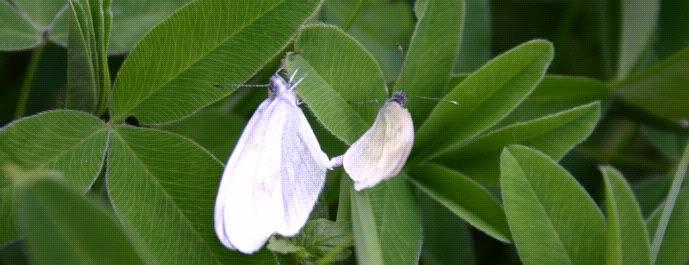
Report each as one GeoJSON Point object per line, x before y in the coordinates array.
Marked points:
{"type": "Point", "coordinates": [453, 102]}
{"type": "Point", "coordinates": [298, 82]}
{"type": "Point", "coordinates": [240, 85]}
{"type": "Point", "coordinates": [291, 77]}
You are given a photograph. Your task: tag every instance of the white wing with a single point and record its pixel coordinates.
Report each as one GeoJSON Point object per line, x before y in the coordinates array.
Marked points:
{"type": "Point", "coordinates": [382, 151]}
{"type": "Point", "coordinates": [304, 166]}
{"type": "Point", "coordinates": [257, 195]}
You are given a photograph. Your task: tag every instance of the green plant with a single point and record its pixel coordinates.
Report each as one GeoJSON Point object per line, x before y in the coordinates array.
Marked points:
{"type": "Point", "coordinates": [151, 146]}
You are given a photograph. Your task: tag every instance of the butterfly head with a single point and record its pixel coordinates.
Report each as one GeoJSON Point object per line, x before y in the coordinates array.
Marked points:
{"type": "Point", "coordinates": [398, 97]}
{"type": "Point", "coordinates": [278, 84]}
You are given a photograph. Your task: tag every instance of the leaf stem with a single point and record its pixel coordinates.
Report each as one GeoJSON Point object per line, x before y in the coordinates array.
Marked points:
{"type": "Point", "coordinates": [36, 56]}
{"type": "Point", "coordinates": [670, 203]}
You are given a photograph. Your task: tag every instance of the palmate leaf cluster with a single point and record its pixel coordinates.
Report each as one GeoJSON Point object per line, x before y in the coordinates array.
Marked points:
{"type": "Point", "coordinates": [127, 172]}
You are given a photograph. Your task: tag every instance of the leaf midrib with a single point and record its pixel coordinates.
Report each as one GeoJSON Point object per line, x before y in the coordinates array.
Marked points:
{"type": "Point", "coordinates": [542, 207]}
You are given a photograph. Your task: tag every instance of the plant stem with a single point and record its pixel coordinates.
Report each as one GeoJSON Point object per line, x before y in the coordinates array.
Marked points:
{"type": "Point", "coordinates": [670, 203]}
{"type": "Point", "coordinates": [36, 56]}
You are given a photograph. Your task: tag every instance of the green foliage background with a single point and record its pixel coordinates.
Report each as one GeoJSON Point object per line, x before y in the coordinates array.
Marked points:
{"type": "Point", "coordinates": [568, 145]}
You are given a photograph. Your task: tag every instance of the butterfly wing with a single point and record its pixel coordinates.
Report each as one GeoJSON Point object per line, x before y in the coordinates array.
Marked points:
{"type": "Point", "coordinates": [272, 180]}
{"type": "Point", "coordinates": [248, 205]}
{"type": "Point", "coordinates": [304, 167]}
{"type": "Point", "coordinates": [382, 151]}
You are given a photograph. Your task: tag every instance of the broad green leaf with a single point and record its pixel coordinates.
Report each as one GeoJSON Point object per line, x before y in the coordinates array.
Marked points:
{"type": "Point", "coordinates": [24, 23]}
{"type": "Point", "coordinates": [174, 70]}
{"type": "Point", "coordinates": [164, 186]}
{"type": "Point", "coordinates": [552, 218]}
{"type": "Point", "coordinates": [660, 89]}
{"type": "Point", "coordinates": [673, 248]}
{"type": "Point", "coordinates": [213, 128]}
{"type": "Point", "coordinates": [340, 78]}
{"type": "Point", "coordinates": [627, 236]}
{"type": "Point", "coordinates": [68, 143]}
{"type": "Point", "coordinates": [463, 197]}
{"type": "Point", "coordinates": [88, 81]}
{"type": "Point", "coordinates": [667, 209]}
{"type": "Point", "coordinates": [71, 143]}
{"type": "Point", "coordinates": [131, 20]}
{"type": "Point", "coordinates": [555, 135]}
{"type": "Point", "coordinates": [386, 223]}
{"type": "Point", "coordinates": [637, 29]}
{"type": "Point", "coordinates": [548, 97]}
{"type": "Point", "coordinates": [15, 32]}
{"type": "Point", "coordinates": [63, 227]}
{"type": "Point", "coordinates": [378, 25]}
{"type": "Point", "coordinates": [557, 93]}
{"type": "Point", "coordinates": [432, 53]}
{"type": "Point", "coordinates": [476, 35]}
{"type": "Point", "coordinates": [485, 97]}
{"type": "Point", "coordinates": [446, 239]}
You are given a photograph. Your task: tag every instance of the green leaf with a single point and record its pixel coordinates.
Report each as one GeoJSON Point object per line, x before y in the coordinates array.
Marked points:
{"type": "Point", "coordinates": [164, 186]}
{"type": "Point", "coordinates": [88, 77]}
{"type": "Point", "coordinates": [552, 218]}
{"type": "Point", "coordinates": [476, 33]}
{"type": "Point", "coordinates": [173, 71]}
{"type": "Point", "coordinates": [338, 73]}
{"type": "Point", "coordinates": [557, 93]}
{"type": "Point", "coordinates": [131, 20]}
{"type": "Point", "coordinates": [464, 197]}
{"type": "Point", "coordinates": [627, 236]}
{"type": "Point", "coordinates": [67, 143]}
{"type": "Point", "coordinates": [432, 54]}
{"type": "Point", "coordinates": [378, 25]}
{"type": "Point", "coordinates": [672, 27]}
{"type": "Point", "coordinates": [82, 233]}
{"type": "Point", "coordinates": [554, 135]}
{"type": "Point", "coordinates": [485, 97]}
{"type": "Point", "coordinates": [318, 239]}
{"type": "Point", "coordinates": [673, 248]}
{"type": "Point", "coordinates": [386, 224]}
{"type": "Point", "coordinates": [213, 128]}
{"type": "Point", "coordinates": [651, 192]}
{"type": "Point", "coordinates": [637, 30]}
{"type": "Point", "coordinates": [15, 32]}
{"type": "Point", "coordinates": [660, 89]}
{"type": "Point", "coordinates": [25, 23]}
{"type": "Point", "coordinates": [669, 204]}
{"type": "Point", "coordinates": [446, 239]}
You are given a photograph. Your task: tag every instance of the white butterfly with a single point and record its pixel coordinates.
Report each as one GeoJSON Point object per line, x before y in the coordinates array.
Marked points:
{"type": "Point", "coordinates": [274, 175]}
{"type": "Point", "coordinates": [382, 151]}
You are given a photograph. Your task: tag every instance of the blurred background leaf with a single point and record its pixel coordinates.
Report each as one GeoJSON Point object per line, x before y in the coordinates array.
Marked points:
{"type": "Point", "coordinates": [81, 233]}
{"type": "Point", "coordinates": [42, 142]}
